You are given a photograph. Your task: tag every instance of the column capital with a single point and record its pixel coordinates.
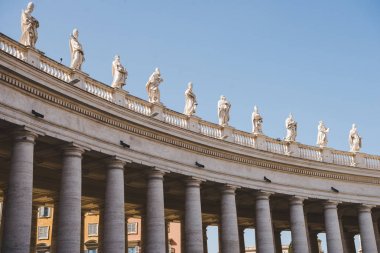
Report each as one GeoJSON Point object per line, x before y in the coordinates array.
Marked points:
{"type": "Point", "coordinates": [263, 194]}
{"type": "Point", "coordinates": [194, 182]}
{"type": "Point", "coordinates": [115, 163]}
{"type": "Point", "coordinates": [229, 189]}
{"type": "Point", "coordinates": [296, 200]}
{"type": "Point", "coordinates": [364, 208]}
{"type": "Point", "coordinates": [155, 173]}
{"type": "Point", "coordinates": [331, 204]}
{"type": "Point", "coordinates": [24, 135]}
{"type": "Point", "coordinates": [72, 149]}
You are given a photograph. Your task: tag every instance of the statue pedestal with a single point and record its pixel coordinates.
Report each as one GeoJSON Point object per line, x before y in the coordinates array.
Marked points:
{"type": "Point", "coordinates": [78, 78]}
{"type": "Point", "coordinates": [291, 149]}
{"type": "Point", "coordinates": [359, 160]}
{"type": "Point", "coordinates": [33, 56]}
{"type": "Point", "coordinates": [227, 133]}
{"type": "Point", "coordinates": [327, 155]}
{"type": "Point", "coordinates": [157, 111]}
{"type": "Point", "coordinates": [260, 142]}
{"type": "Point", "coordinates": [119, 96]}
{"type": "Point", "coordinates": [193, 123]}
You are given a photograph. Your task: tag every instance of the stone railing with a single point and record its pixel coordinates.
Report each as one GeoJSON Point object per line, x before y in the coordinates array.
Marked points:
{"type": "Point", "coordinates": [175, 118]}
{"type": "Point", "coordinates": [12, 47]}
{"type": "Point", "coordinates": [195, 124]}
{"type": "Point", "coordinates": [98, 89]}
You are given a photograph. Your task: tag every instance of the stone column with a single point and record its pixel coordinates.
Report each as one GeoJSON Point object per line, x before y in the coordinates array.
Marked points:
{"type": "Point", "coordinates": [367, 233]}
{"type": "Point", "coordinates": [18, 195]}
{"type": "Point", "coordinates": [229, 225]}
{"type": "Point", "coordinates": [264, 228]}
{"type": "Point", "coordinates": [193, 217]}
{"type": "Point", "coordinates": [204, 232]}
{"type": "Point", "coordinates": [277, 241]}
{"type": "Point", "coordinates": [298, 225]}
{"type": "Point", "coordinates": [241, 239]}
{"type": "Point", "coordinates": [314, 247]}
{"type": "Point", "coordinates": [82, 229]}
{"type": "Point", "coordinates": [114, 219]}
{"type": "Point", "coordinates": [101, 229]}
{"type": "Point", "coordinates": [143, 234]}
{"type": "Point", "coordinates": [54, 230]}
{"type": "Point", "coordinates": [342, 234]}
{"type": "Point", "coordinates": [33, 236]}
{"type": "Point", "coordinates": [377, 231]}
{"type": "Point", "coordinates": [155, 216]}
{"type": "Point", "coordinates": [333, 236]}
{"type": "Point", "coordinates": [69, 206]}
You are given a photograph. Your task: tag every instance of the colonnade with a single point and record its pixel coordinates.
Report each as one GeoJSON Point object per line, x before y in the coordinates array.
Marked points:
{"type": "Point", "coordinates": [17, 215]}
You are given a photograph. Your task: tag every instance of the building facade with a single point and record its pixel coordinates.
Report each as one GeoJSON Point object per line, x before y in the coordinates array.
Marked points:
{"type": "Point", "coordinates": [80, 146]}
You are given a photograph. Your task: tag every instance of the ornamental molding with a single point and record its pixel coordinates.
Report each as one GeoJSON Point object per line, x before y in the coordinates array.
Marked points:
{"type": "Point", "coordinates": [80, 108]}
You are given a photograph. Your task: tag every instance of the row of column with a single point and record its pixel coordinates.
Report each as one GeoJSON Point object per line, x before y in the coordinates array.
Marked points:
{"type": "Point", "coordinates": [18, 211]}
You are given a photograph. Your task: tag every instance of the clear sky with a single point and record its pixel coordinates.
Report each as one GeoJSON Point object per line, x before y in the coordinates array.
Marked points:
{"type": "Point", "coordinates": [319, 60]}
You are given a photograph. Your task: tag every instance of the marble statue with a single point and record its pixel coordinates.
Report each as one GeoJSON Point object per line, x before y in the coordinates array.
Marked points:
{"type": "Point", "coordinates": [223, 111]}
{"type": "Point", "coordinates": [354, 139]}
{"type": "Point", "coordinates": [119, 73]}
{"type": "Point", "coordinates": [257, 121]}
{"type": "Point", "coordinates": [29, 27]}
{"type": "Point", "coordinates": [76, 50]}
{"type": "Point", "coordinates": [152, 86]}
{"type": "Point", "coordinates": [291, 128]}
{"type": "Point", "coordinates": [190, 100]}
{"type": "Point", "coordinates": [322, 135]}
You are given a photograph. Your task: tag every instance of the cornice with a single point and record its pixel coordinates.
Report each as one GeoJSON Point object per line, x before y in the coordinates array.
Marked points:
{"type": "Point", "coordinates": [80, 108]}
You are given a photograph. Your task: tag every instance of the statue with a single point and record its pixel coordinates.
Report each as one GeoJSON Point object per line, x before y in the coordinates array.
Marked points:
{"type": "Point", "coordinates": [190, 100]}
{"type": "Point", "coordinates": [322, 135]}
{"type": "Point", "coordinates": [119, 73]}
{"type": "Point", "coordinates": [257, 121]}
{"type": "Point", "coordinates": [152, 86]}
{"type": "Point", "coordinates": [354, 139]}
{"type": "Point", "coordinates": [76, 50]}
{"type": "Point", "coordinates": [223, 111]}
{"type": "Point", "coordinates": [291, 128]}
{"type": "Point", "coordinates": [29, 27]}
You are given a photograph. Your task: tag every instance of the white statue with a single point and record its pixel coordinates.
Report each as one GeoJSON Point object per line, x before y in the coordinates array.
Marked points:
{"type": "Point", "coordinates": [257, 121]}
{"type": "Point", "coordinates": [223, 111]}
{"type": "Point", "coordinates": [190, 100]}
{"type": "Point", "coordinates": [119, 73]}
{"type": "Point", "coordinates": [152, 86]}
{"type": "Point", "coordinates": [291, 128]}
{"type": "Point", "coordinates": [76, 50]}
{"type": "Point", "coordinates": [29, 27]}
{"type": "Point", "coordinates": [322, 135]}
{"type": "Point", "coordinates": [354, 139]}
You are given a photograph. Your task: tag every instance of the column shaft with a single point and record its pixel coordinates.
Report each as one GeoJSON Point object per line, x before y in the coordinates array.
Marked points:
{"type": "Point", "coordinates": [264, 227]}
{"type": "Point", "coordinates": [314, 247]}
{"type": "Point", "coordinates": [298, 226]}
{"type": "Point", "coordinates": [33, 236]}
{"type": "Point", "coordinates": [18, 195]}
{"type": "Point", "coordinates": [69, 213]}
{"type": "Point", "coordinates": [241, 239]}
{"type": "Point", "coordinates": [350, 242]}
{"type": "Point", "coordinates": [333, 235]}
{"type": "Point", "coordinates": [367, 233]}
{"type": "Point", "coordinates": [193, 217]}
{"type": "Point", "coordinates": [377, 232]}
{"type": "Point", "coordinates": [155, 216]}
{"type": "Point", "coordinates": [114, 214]}
{"type": "Point", "coordinates": [229, 225]}
{"type": "Point", "coordinates": [204, 232]}
{"type": "Point", "coordinates": [277, 241]}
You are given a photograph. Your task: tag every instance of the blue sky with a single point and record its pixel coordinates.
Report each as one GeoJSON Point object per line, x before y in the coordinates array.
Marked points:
{"type": "Point", "coordinates": [316, 59]}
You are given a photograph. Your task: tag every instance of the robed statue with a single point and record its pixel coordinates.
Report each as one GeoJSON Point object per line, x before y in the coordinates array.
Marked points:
{"type": "Point", "coordinates": [257, 121]}
{"type": "Point", "coordinates": [354, 139]}
{"type": "Point", "coordinates": [76, 50]}
{"type": "Point", "coordinates": [190, 100]}
{"type": "Point", "coordinates": [291, 128]}
{"type": "Point", "coordinates": [223, 111]}
{"type": "Point", "coordinates": [119, 73]}
{"type": "Point", "coordinates": [29, 25]}
{"type": "Point", "coordinates": [322, 135]}
{"type": "Point", "coordinates": [152, 86]}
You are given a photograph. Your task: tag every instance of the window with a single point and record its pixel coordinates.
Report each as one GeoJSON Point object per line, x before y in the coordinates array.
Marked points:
{"type": "Point", "coordinates": [133, 249]}
{"type": "Point", "coordinates": [132, 228]}
{"type": "Point", "coordinates": [43, 232]}
{"type": "Point", "coordinates": [92, 251]}
{"type": "Point", "coordinates": [92, 229]}
{"type": "Point", "coordinates": [172, 250]}
{"type": "Point", "coordinates": [44, 212]}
